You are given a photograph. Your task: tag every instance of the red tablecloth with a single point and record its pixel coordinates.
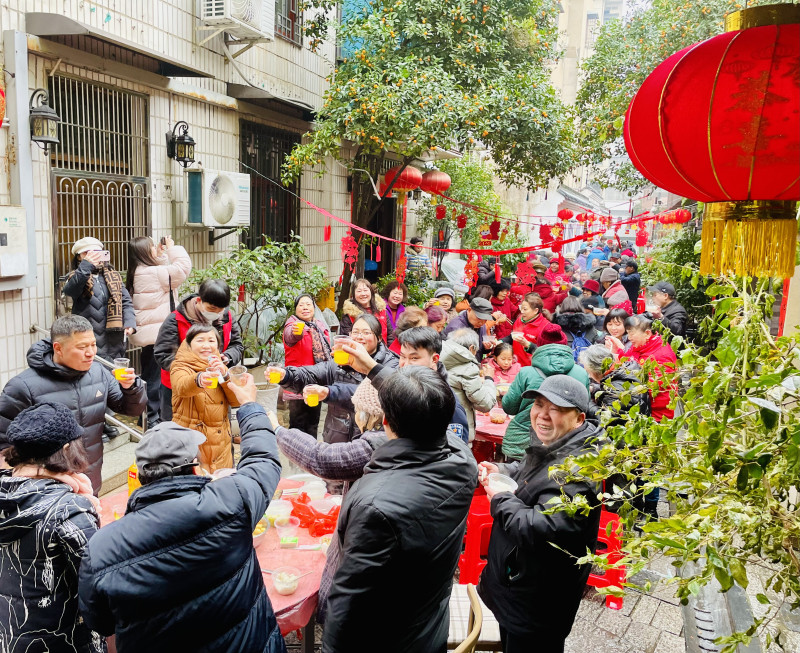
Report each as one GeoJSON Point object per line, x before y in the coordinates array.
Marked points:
{"type": "Point", "coordinates": [486, 430]}
{"type": "Point", "coordinates": [293, 611]}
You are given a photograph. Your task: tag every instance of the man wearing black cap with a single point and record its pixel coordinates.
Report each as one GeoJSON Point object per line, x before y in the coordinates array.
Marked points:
{"type": "Point", "coordinates": [531, 582]}
{"type": "Point", "coordinates": [631, 281]}
{"type": "Point", "coordinates": [475, 318]}
{"type": "Point", "coordinates": [179, 572]}
{"type": "Point", "coordinates": [667, 309]}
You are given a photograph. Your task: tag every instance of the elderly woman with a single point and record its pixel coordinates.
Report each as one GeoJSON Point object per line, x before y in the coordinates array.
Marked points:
{"type": "Point", "coordinates": [613, 386]}
{"type": "Point", "coordinates": [437, 318]}
{"type": "Point", "coordinates": [614, 293]}
{"type": "Point", "coordinates": [47, 515]}
{"type": "Point", "coordinates": [445, 298]}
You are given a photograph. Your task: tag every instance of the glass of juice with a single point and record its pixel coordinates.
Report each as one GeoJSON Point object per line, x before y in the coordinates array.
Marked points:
{"type": "Point", "coordinates": [298, 328]}
{"type": "Point", "coordinates": [212, 373]}
{"type": "Point", "coordinates": [120, 365]}
{"type": "Point", "coordinates": [340, 356]}
{"type": "Point", "coordinates": [312, 399]}
{"type": "Point", "coordinates": [275, 377]}
{"type": "Point", "coordinates": [237, 374]}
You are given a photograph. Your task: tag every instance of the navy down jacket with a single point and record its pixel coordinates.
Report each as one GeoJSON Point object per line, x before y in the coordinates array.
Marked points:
{"type": "Point", "coordinates": [179, 572]}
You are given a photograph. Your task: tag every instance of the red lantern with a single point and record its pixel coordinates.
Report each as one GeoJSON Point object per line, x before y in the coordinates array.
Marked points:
{"type": "Point", "coordinates": [564, 215]}
{"type": "Point", "coordinates": [435, 182]}
{"type": "Point", "coordinates": [461, 221]}
{"type": "Point", "coordinates": [407, 180]}
{"type": "Point", "coordinates": [441, 235]}
{"type": "Point", "coordinates": [682, 216]}
{"type": "Point", "coordinates": [717, 122]}
{"type": "Point", "coordinates": [641, 238]}
{"type": "Point", "coordinates": [441, 212]}
{"type": "Point", "coordinates": [581, 217]}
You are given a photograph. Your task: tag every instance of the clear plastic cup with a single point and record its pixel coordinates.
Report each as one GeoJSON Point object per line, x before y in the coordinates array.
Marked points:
{"type": "Point", "coordinates": [287, 527]}
{"type": "Point", "coordinates": [315, 489]}
{"type": "Point", "coordinates": [312, 399]}
{"type": "Point", "coordinates": [120, 365]}
{"type": "Point", "coordinates": [278, 509]}
{"type": "Point", "coordinates": [340, 356]}
{"type": "Point", "coordinates": [298, 328]}
{"type": "Point", "coordinates": [274, 377]}
{"type": "Point", "coordinates": [237, 374]}
{"type": "Point", "coordinates": [214, 377]}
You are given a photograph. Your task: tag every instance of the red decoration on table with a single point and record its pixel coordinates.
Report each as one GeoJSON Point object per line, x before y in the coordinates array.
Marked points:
{"type": "Point", "coordinates": [711, 123]}
{"type": "Point", "coordinates": [564, 215]}
{"type": "Point", "coordinates": [350, 250]}
{"type": "Point", "coordinates": [435, 182]}
{"type": "Point", "coordinates": [461, 221]}
{"type": "Point", "coordinates": [441, 212]}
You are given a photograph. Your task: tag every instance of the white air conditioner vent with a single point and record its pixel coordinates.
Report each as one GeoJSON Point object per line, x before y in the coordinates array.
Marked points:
{"type": "Point", "coordinates": [244, 19]}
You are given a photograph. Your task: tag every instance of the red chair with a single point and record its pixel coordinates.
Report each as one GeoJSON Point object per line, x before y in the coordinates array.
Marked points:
{"type": "Point", "coordinates": [476, 540]}
{"type": "Point", "coordinates": [641, 303]}
{"type": "Point", "coordinates": [611, 539]}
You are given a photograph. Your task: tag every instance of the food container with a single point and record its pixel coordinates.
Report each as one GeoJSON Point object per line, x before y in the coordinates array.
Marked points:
{"type": "Point", "coordinates": [260, 532]}
{"type": "Point", "coordinates": [278, 509]}
{"type": "Point", "coordinates": [322, 506]}
{"type": "Point", "coordinates": [287, 527]}
{"type": "Point", "coordinates": [502, 388]}
{"type": "Point", "coordinates": [502, 483]}
{"type": "Point", "coordinates": [285, 580]}
{"type": "Point", "coordinates": [315, 489]}
{"type": "Point", "coordinates": [518, 334]}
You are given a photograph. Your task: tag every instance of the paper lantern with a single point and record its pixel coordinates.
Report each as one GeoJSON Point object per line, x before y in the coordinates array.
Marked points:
{"type": "Point", "coordinates": [581, 217]}
{"type": "Point", "coordinates": [434, 182]}
{"type": "Point", "coordinates": [564, 215]}
{"type": "Point", "coordinates": [717, 122]}
{"type": "Point", "coordinates": [408, 178]}
{"type": "Point", "coordinates": [641, 238]}
{"type": "Point", "coordinates": [682, 216]}
{"type": "Point", "coordinates": [441, 212]}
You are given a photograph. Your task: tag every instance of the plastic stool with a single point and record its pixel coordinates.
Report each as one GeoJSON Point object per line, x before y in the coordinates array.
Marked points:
{"type": "Point", "coordinates": [613, 553]}
{"type": "Point", "coordinates": [476, 541]}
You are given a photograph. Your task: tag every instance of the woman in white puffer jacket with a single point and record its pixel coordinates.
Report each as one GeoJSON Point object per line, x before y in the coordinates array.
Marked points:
{"type": "Point", "coordinates": [154, 271]}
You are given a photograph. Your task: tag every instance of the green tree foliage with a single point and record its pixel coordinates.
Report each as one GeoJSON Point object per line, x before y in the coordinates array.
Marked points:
{"type": "Point", "coordinates": [626, 52]}
{"type": "Point", "coordinates": [418, 293]}
{"type": "Point", "coordinates": [729, 460]}
{"type": "Point", "coordinates": [272, 275]}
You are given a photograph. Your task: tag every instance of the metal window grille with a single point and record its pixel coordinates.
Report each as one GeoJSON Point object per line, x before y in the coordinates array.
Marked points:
{"type": "Point", "coordinates": [274, 212]}
{"type": "Point", "coordinates": [288, 21]}
{"type": "Point", "coordinates": [100, 183]}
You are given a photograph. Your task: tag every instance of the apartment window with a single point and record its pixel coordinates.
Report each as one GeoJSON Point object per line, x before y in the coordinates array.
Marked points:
{"type": "Point", "coordinates": [288, 22]}
{"type": "Point", "coordinates": [592, 25]}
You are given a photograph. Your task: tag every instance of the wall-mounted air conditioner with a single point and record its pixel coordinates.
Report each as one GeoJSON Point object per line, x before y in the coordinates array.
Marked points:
{"type": "Point", "coordinates": [217, 199]}
{"type": "Point", "coordinates": [244, 19]}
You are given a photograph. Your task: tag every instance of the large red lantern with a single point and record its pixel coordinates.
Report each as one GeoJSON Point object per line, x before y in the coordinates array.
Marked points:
{"type": "Point", "coordinates": [682, 216]}
{"type": "Point", "coordinates": [717, 122]}
{"type": "Point", "coordinates": [435, 182]}
{"type": "Point", "coordinates": [564, 215]}
{"type": "Point", "coordinates": [408, 179]}
{"type": "Point", "coordinates": [581, 217]}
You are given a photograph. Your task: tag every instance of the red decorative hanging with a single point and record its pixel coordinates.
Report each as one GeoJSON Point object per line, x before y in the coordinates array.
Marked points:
{"type": "Point", "coordinates": [441, 212]}
{"type": "Point", "coordinates": [241, 297]}
{"type": "Point", "coordinates": [494, 229]}
{"type": "Point", "coordinates": [498, 273]}
{"type": "Point", "coordinates": [484, 236]}
{"type": "Point", "coordinates": [544, 233]}
{"type": "Point", "coordinates": [409, 179]}
{"type": "Point", "coordinates": [516, 229]}
{"type": "Point", "coordinates": [435, 182]}
{"type": "Point", "coordinates": [526, 274]}
{"type": "Point", "coordinates": [564, 215]}
{"type": "Point", "coordinates": [503, 234]}
{"type": "Point", "coordinates": [682, 216]}
{"type": "Point", "coordinates": [581, 217]}
{"type": "Point", "coordinates": [326, 232]}
{"type": "Point", "coordinates": [350, 250]}
{"type": "Point", "coordinates": [641, 237]}
{"type": "Point", "coordinates": [461, 221]}
{"type": "Point", "coordinates": [400, 270]}
{"type": "Point", "coordinates": [471, 272]}
{"type": "Point", "coordinates": [441, 235]}
{"type": "Point", "coordinates": [378, 254]}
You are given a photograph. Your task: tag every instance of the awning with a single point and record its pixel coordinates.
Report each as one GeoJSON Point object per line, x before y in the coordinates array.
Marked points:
{"type": "Point", "coordinates": [74, 34]}
{"type": "Point", "coordinates": [263, 98]}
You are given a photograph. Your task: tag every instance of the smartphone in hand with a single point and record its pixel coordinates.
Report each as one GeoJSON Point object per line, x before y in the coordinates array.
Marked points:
{"type": "Point", "coordinates": [105, 255]}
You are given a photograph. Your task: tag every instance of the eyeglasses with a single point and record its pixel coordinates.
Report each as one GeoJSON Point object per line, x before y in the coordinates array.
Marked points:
{"type": "Point", "coordinates": [363, 334]}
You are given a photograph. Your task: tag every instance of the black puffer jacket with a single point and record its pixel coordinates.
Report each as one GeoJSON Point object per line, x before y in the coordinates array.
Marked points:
{"type": "Point", "coordinates": [86, 394]}
{"type": "Point", "coordinates": [44, 528]}
{"type": "Point", "coordinates": [342, 381]}
{"type": "Point", "coordinates": [529, 585]}
{"type": "Point", "coordinates": [622, 379]}
{"type": "Point", "coordinates": [400, 532]}
{"type": "Point", "coordinates": [576, 324]}
{"type": "Point", "coordinates": [674, 317]}
{"type": "Point", "coordinates": [110, 344]}
{"type": "Point", "coordinates": [179, 572]}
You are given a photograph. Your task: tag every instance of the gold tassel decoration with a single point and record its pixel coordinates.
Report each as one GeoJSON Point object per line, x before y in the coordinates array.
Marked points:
{"type": "Point", "coordinates": [754, 238]}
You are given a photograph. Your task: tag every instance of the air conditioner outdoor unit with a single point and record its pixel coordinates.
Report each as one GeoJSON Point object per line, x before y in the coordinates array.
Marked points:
{"type": "Point", "coordinates": [244, 19]}
{"type": "Point", "coordinates": [218, 199]}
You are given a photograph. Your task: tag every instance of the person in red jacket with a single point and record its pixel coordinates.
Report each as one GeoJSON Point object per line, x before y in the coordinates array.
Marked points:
{"type": "Point", "coordinates": [306, 341]}
{"type": "Point", "coordinates": [543, 288]}
{"type": "Point", "coordinates": [646, 345]}
{"type": "Point", "coordinates": [527, 330]}
{"type": "Point", "coordinates": [501, 303]}
{"type": "Point", "coordinates": [363, 299]}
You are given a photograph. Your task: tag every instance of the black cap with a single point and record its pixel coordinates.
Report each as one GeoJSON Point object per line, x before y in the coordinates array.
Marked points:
{"type": "Point", "coordinates": [663, 286]}
{"type": "Point", "coordinates": [482, 308]}
{"type": "Point", "coordinates": [563, 391]}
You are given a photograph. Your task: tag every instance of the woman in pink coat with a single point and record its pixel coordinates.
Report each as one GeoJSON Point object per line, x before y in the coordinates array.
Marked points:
{"type": "Point", "coordinates": [154, 273]}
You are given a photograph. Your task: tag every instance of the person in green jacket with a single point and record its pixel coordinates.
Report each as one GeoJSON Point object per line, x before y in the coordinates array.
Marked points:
{"type": "Point", "coordinates": [547, 360]}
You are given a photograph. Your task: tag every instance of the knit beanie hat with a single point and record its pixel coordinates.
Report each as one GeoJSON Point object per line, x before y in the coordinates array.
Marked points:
{"type": "Point", "coordinates": [42, 429]}
{"type": "Point", "coordinates": [551, 335]}
{"type": "Point", "coordinates": [609, 274]}
{"type": "Point", "coordinates": [367, 405]}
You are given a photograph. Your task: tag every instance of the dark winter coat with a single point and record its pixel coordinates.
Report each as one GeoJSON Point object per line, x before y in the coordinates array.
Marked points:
{"type": "Point", "coordinates": [86, 394]}
{"type": "Point", "coordinates": [110, 344]}
{"type": "Point", "coordinates": [168, 339]}
{"type": "Point", "coordinates": [674, 317]}
{"type": "Point", "coordinates": [44, 528]}
{"type": "Point", "coordinates": [400, 531]}
{"type": "Point", "coordinates": [179, 572]}
{"type": "Point", "coordinates": [342, 381]}
{"type": "Point", "coordinates": [531, 586]}
{"type": "Point", "coordinates": [632, 283]}
{"type": "Point", "coordinates": [577, 324]}
{"type": "Point", "coordinates": [621, 379]}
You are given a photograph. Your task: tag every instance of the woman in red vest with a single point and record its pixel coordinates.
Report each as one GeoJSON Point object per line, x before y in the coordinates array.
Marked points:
{"type": "Point", "coordinates": [306, 341]}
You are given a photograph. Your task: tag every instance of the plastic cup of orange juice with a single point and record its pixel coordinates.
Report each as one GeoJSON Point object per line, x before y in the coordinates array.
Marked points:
{"type": "Point", "coordinates": [214, 378]}
{"type": "Point", "coordinates": [298, 328]}
{"type": "Point", "coordinates": [120, 365]}
{"type": "Point", "coordinates": [340, 356]}
{"type": "Point", "coordinates": [312, 399]}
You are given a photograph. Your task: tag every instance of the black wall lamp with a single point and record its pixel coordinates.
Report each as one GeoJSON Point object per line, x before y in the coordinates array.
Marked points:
{"type": "Point", "coordinates": [44, 120]}
{"type": "Point", "coordinates": [180, 146]}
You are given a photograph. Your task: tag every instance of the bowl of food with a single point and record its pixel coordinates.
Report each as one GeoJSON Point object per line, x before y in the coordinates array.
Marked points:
{"type": "Point", "coordinates": [502, 483]}
{"type": "Point", "coordinates": [502, 388]}
{"type": "Point", "coordinates": [315, 489]}
{"type": "Point", "coordinates": [285, 580]}
{"type": "Point", "coordinates": [497, 416]}
{"type": "Point", "coordinates": [260, 532]}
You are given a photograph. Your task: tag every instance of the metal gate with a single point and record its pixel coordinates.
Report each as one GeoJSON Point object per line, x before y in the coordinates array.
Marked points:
{"type": "Point", "coordinates": [100, 182]}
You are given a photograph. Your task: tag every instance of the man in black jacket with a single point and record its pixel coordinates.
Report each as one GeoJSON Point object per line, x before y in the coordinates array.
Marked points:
{"type": "Point", "coordinates": [401, 526]}
{"type": "Point", "coordinates": [179, 572]}
{"type": "Point", "coordinates": [63, 369]}
{"type": "Point", "coordinates": [631, 280]}
{"type": "Point", "coordinates": [668, 310]}
{"type": "Point", "coordinates": [531, 582]}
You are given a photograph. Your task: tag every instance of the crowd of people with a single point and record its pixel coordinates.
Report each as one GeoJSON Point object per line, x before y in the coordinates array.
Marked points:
{"type": "Point", "coordinates": [403, 387]}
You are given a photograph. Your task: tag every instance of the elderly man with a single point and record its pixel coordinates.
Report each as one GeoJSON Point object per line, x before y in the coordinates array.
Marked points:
{"type": "Point", "coordinates": [63, 369]}
{"type": "Point", "coordinates": [667, 309]}
{"type": "Point", "coordinates": [531, 582]}
{"type": "Point", "coordinates": [474, 318]}
{"type": "Point", "coordinates": [178, 572]}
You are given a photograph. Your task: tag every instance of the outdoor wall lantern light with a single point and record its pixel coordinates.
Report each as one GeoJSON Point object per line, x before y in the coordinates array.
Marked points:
{"type": "Point", "coordinates": [44, 121]}
{"type": "Point", "coordinates": [180, 146]}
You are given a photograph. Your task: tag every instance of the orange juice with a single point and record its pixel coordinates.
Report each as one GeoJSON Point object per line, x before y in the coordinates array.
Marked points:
{"type": "Point", "coordinates": [119, 373]}
{"type": "Point", "coordinates": [214, 382]}
{"type": "Point", "coordinates": [341, 357]}
{"type": "Point", "coordinates": [312, 399]}
{"type": "Point", "coordinates": [298, 328]}
{"type": "Point", "coordinates": [274, 377]}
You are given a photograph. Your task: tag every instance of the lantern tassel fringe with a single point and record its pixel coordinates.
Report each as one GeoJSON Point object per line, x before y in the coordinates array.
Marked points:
{"type": "Point", "coordinates": [755, 248]}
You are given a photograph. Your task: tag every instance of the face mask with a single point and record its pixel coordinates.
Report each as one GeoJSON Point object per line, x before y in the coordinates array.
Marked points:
{"type": "Point", "coordinates": [209, 316]}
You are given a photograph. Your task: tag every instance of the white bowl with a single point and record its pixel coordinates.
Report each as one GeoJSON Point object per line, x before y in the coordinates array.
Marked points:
{"type": "Point", "coordinates": [502, 483]}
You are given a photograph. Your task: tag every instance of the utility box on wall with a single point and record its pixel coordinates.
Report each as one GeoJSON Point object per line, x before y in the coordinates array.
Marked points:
{"type": "Point", "coordinates": [14, 245]}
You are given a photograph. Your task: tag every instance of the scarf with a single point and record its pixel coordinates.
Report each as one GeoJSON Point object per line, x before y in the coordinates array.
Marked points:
{"type": "Point", "coordinates": [115, 285]}
{"type": "Point", "coordinates": [78, 483]}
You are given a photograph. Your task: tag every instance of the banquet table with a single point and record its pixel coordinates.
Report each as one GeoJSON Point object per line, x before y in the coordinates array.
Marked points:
{"type": "Point", "coordinates": [293, 612]}
{"type": "Point", "coordinates": [488, 436]}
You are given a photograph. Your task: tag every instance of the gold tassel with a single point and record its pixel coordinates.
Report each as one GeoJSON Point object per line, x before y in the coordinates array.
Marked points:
{"type": "Point", "coordinates": [755, 239]}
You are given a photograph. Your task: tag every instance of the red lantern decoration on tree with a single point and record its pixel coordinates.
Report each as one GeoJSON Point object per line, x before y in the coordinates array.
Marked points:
{"type": "Point", "coordinates": [441, 235]}
{"type": "Point", "coordinates": [435, 182]}
{"type": "Point", "coordinates": [461, 221]}
{"type": "Point", "coordinates": [350, 250]}
{"type": "Point", "coordinates": [564, 215]}
{"type": "Point", "coordinates": [441, 212]}
{"type": "Point", "coordinates": [408, 178]}
{"type": "Point", "coordinates": [717, 122]}
{"type": "Point", "coordinates": [641, 237]}
{"type": "Point", "coordinates": [526, 274]}
{"type": "Point", "coordinates": [682, 216]}
{"type": "Point", "coordinates": [494, 229]}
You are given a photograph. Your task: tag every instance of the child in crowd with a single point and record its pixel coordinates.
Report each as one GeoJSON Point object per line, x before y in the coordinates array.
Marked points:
{"type": "Point", "coordinates": [201, 398]}
{"type": "Point", "coordinates": [503, 366]}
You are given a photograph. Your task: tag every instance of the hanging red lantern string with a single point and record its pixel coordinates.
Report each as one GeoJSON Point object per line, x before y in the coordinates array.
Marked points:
{"type": "Point", "coordinates": [350, 250]}
{"type": "Point", "coordinates": [564, 215]}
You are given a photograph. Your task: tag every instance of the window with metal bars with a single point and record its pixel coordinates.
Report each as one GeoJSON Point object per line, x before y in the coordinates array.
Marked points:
{"type": "Point", "coordinates": [274, 210]}
{"type": "Point", "coordinates": [288, 21]}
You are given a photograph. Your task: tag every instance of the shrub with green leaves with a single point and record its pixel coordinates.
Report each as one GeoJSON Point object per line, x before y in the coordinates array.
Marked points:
{"type": "Point", "coordinates": [418, 293]}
